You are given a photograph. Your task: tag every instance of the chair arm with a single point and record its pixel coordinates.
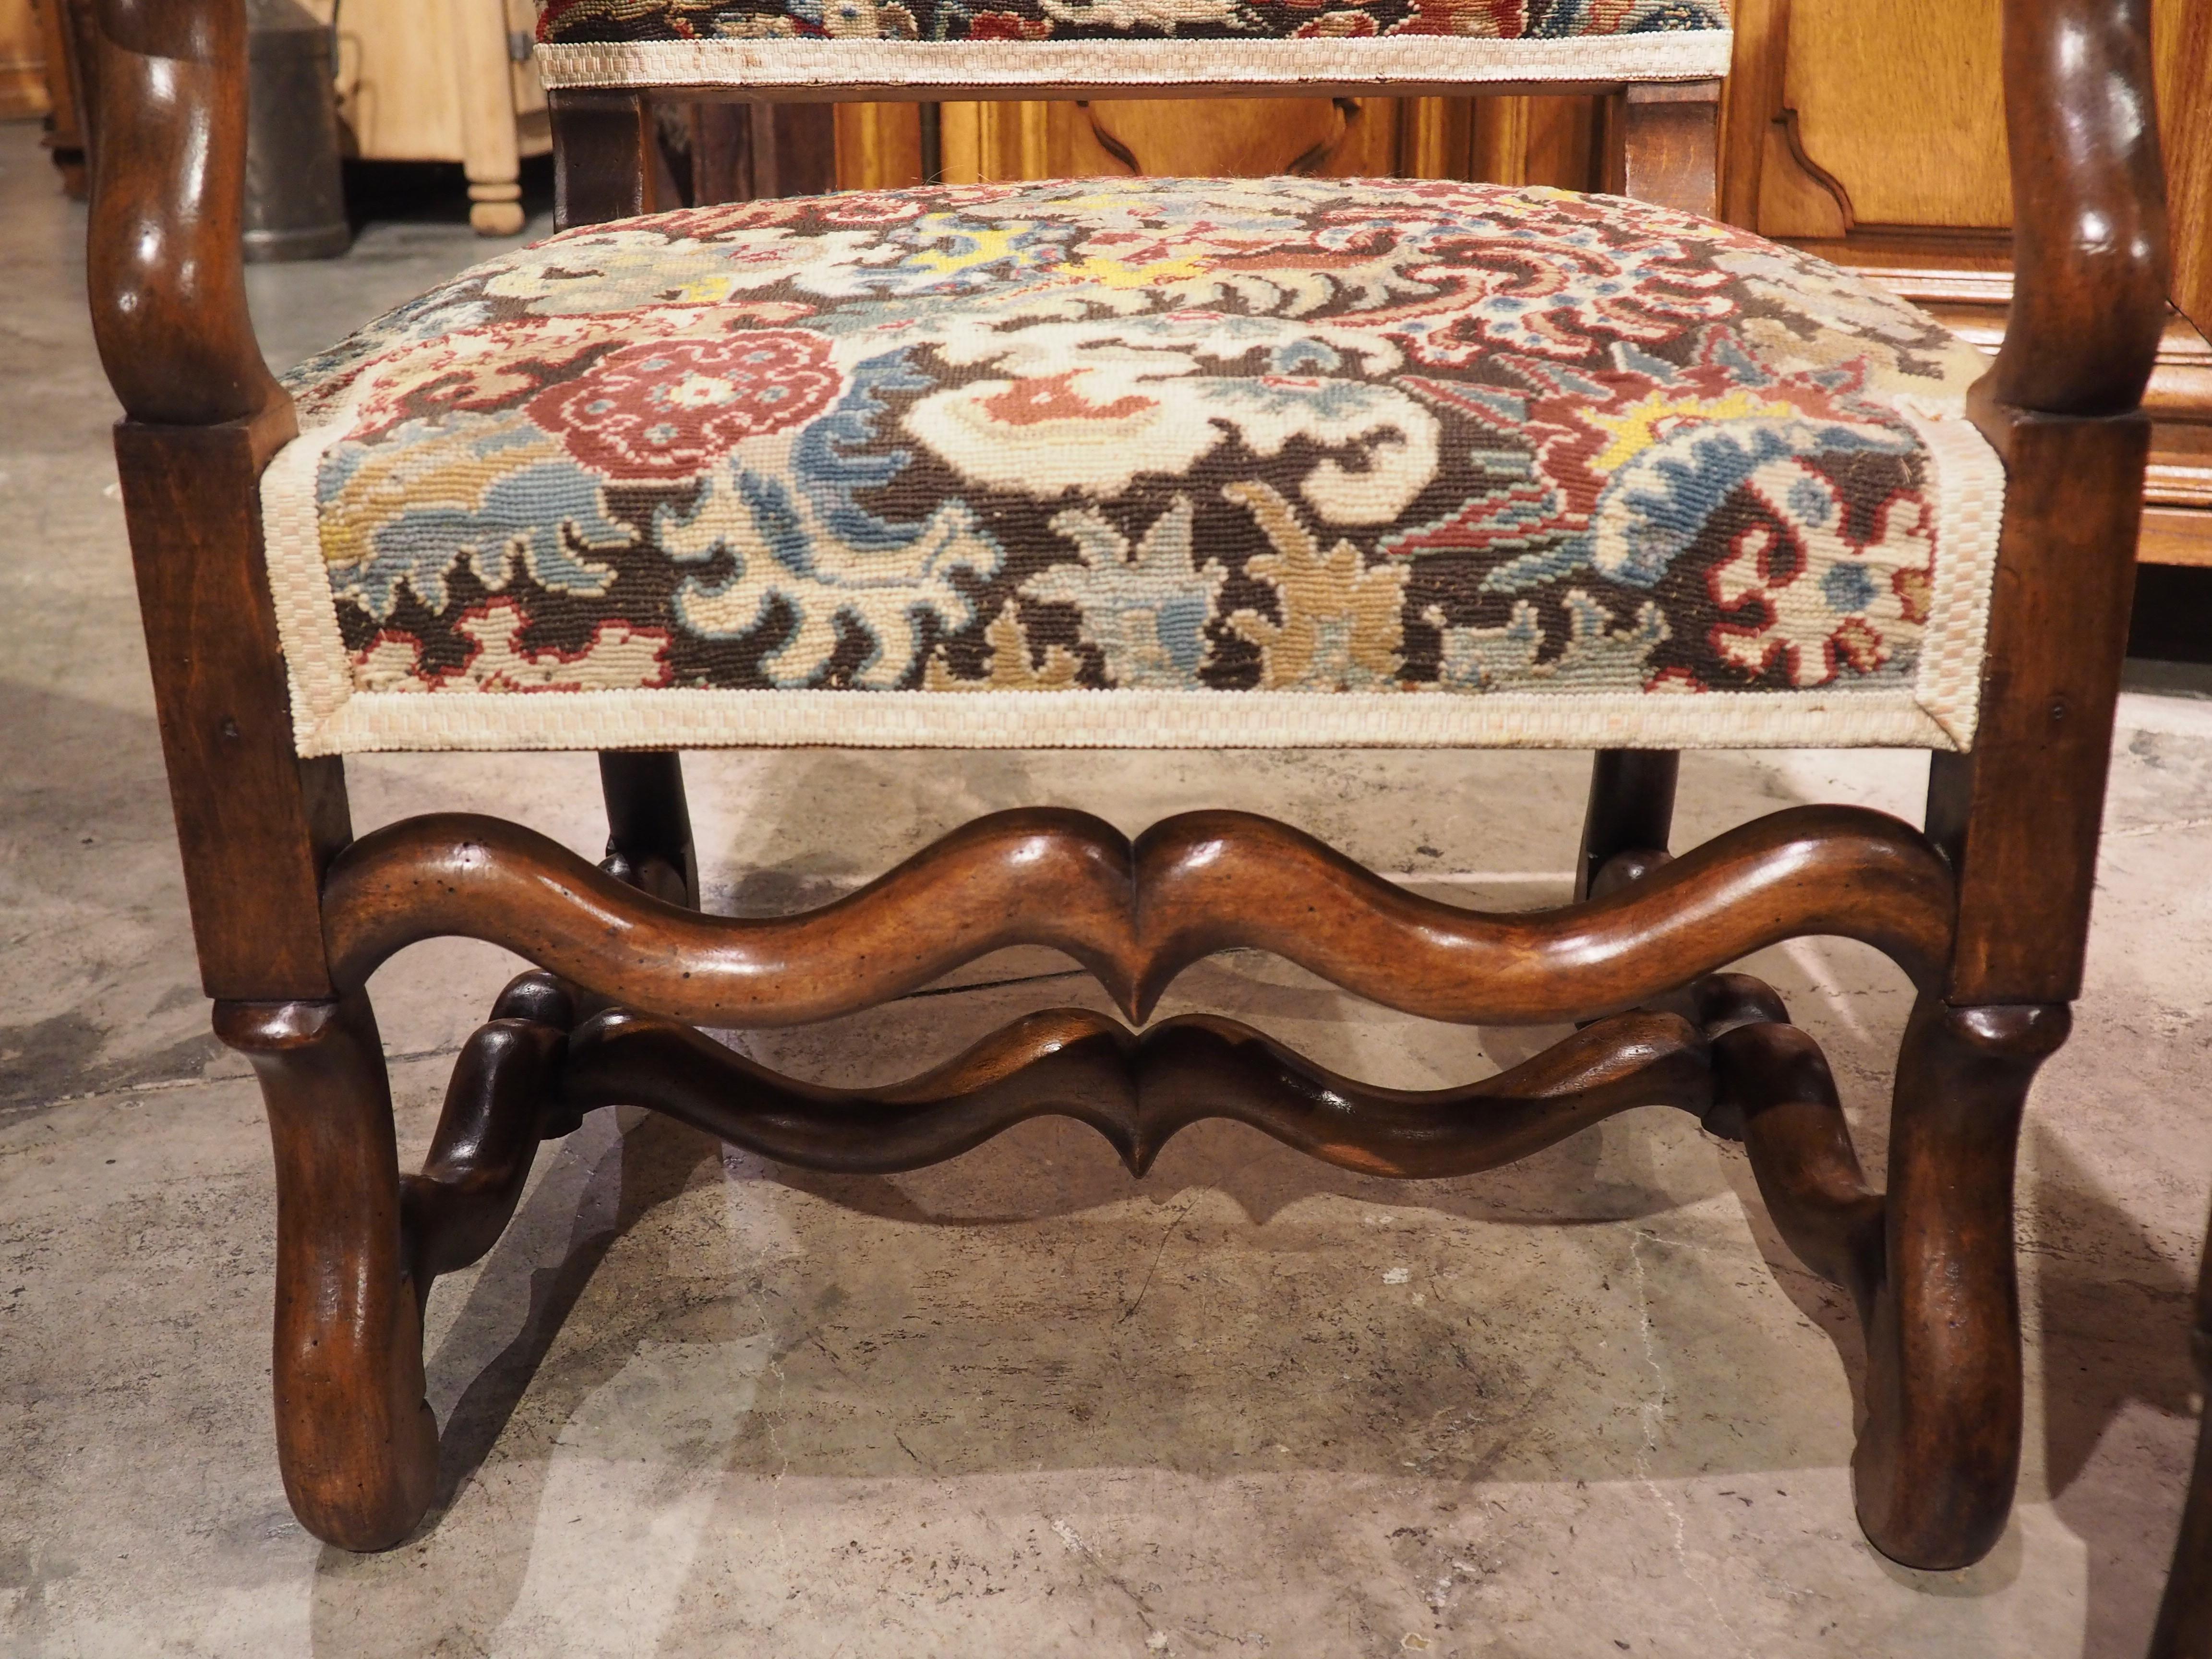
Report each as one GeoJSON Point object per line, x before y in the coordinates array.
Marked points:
{"type": "Point", "coordinates": [2090, 257]}
{"type": "Point", "coordinates": [165, 265]}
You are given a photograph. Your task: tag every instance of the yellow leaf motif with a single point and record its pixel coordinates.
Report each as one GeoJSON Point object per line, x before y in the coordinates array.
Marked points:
{"type": "Point", "coordinates": [1010, 663]}
{"type": "Point", "coordinates": [1342, 626]}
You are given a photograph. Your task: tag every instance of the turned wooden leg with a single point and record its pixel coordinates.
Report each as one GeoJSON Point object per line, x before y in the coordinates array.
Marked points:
{"type": "Point", "coordinates": [1936, 1464]}
{"type": "Point", "coordinates": [356, 1439]}
{"type": "Point", "coordinates": [649, 824]}
{"type": "Point", "coordinates": [1631, 809]}
{"type": "Point", "coordinates": [491, 150]}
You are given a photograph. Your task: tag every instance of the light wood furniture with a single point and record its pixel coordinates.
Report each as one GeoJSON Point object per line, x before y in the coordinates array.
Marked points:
{"type": "Point", "coordinates": [445, 81]}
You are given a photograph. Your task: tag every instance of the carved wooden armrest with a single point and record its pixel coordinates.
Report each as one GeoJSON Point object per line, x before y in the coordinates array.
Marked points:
{"type": "Point", "coordinates": [166, 265]}
{"type": "Point", "coordinates": [2089, 239]}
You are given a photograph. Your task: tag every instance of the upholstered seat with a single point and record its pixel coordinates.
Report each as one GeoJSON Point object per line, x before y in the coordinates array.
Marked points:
{"type": "Point", "coordinates": [757, 43]}
{"type": "Point", "coordinates": [1145, 463]}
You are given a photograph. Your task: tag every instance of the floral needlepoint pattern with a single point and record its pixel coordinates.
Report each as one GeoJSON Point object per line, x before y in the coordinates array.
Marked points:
{"type": "Point", "coordinates": [613, 22]}
{"type": "Point", "coordinates": [1074, 448]}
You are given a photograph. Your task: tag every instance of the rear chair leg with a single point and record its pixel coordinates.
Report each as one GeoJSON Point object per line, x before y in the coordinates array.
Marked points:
{"type": "Point", "coordinates": [356, 1439]}
{"type": "Point", "coordinates": [649, 824]}
{"type": "Point", "coordinates": [1631, 809]}
{"type": "Point", "coordinates": [1936, 1462]}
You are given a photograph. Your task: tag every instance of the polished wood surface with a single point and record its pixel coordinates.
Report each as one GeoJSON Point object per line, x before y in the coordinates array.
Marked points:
{"type": "Point", "coordinates": [165, 265]}
{"type": "Point", "coordinates": [1138, 1091]}
{"type": "Point", "coordinates": [2090, 259]}
{"type": "Point", "coordinates": [2019, 815]}
{"type": "Point", "coordinates": [256, 825]}
{"type": "Point", "coordinates": [356, 1441]}
{"type": "Point", "coordinates": [1136, 914]}
{"type": "Point", "coordinates": [1943, 1379]}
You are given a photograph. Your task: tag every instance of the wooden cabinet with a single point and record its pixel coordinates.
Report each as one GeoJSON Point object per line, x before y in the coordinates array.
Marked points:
{"type": "Point", "coordinates": [444, 81]}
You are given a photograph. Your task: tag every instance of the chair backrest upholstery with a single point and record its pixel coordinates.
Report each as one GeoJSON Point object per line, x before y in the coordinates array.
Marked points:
{"type": "Point", "coordinates": [887, 46]}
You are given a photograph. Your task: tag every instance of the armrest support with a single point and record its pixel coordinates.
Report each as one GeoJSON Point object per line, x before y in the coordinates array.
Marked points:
{"type": "Point", "coordinates": [2090, 258]}
{"type": "Point", "coordinates": [166, 265]}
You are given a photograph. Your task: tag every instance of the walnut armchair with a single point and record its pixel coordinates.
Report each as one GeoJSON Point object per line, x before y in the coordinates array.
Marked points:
{"type": "Point", "coordinates": [1187, 463]}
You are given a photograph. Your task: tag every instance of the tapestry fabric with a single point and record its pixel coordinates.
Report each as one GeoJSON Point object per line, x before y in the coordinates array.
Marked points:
{"type": "Point", "coordinates": [602, 22]}
{"type": "Point", "coordinates": [1146, 463]}
{"type": "Point", "coordinates": [1044, 42]}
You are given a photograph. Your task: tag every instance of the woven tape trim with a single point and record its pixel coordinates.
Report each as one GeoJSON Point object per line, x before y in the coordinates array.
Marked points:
{"type": "Point", "coordinates": [330, 717]}
{"type": "Point", "coordinates": [1969, 489]}
{"type": "Point", "coordinates": [1667, 55]}
{"type": "Point", "coordinates": [372, 720]}
{"type": "Point", "coordinates": [316, 667]}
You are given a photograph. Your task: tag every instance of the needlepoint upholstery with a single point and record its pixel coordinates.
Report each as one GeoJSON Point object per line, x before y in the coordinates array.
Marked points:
{"type": "Point", "coordinates": [1142, 463]}
{"type": "Point", "coordinates": [757, 43]}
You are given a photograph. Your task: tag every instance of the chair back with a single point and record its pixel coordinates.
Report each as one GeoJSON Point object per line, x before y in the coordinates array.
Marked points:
{"type": "Point", "coordinates": [907, 49]}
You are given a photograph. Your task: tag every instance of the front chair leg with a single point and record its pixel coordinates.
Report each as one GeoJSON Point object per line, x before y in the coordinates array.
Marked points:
{"type": "Point", "coordinates": [356, 1439]}
{"type": "Point", "coordinates": [1936, 1464]}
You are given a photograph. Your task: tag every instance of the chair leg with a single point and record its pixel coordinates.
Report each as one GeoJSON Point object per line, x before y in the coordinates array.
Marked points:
{"type": "Point", "coordinates": [1665, 146]}
{"type": "Point", "coordinates": [356, 1441]}
{"type": "Point", "coordinates": [649, 824]}
{"type": "Point", "coordinates": [1631, 809]}
{"type": "Point", "coordinates": [1937, 1459]}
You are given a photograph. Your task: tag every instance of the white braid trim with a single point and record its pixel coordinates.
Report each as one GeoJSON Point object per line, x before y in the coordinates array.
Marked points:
{"type": "Point", "coordinates": [1421, 60]}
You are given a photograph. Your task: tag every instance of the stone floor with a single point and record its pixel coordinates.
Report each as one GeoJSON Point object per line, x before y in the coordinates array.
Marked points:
{"type": "Point", "coordinates": [1017, 1404]}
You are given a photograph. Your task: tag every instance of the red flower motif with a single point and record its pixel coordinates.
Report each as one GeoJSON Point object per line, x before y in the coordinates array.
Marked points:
{"type": "Point", "coordinates": [670, 410]}
{"type": "Point", "coordinates": [1007, 26]}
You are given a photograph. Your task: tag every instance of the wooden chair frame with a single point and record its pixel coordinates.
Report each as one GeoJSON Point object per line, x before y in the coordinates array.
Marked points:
{"type": "Point", "coordinates": [1987, 910]}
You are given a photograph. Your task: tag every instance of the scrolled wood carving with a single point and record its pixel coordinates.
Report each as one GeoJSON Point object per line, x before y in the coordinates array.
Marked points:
{"type": "Point", "coordinates": [1136, 914]}
{"type": "Point", "coordinates": [166, 271]}
{"type": "Point", "coordinates": [2091, 263]}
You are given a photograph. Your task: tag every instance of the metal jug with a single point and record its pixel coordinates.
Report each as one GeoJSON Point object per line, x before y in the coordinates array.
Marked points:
{"type": "Point", "coordinates": [294, 193]}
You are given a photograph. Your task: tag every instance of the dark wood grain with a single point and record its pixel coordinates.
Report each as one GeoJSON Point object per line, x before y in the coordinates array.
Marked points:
{"type": "Point", "coordinates": [256, 825]}
{"type": "Point", "coordinates": [289, 925]}
{"type": "Point", "coordinates": [1136, 916]}
{"type": "Point", "coordinates": [2090, 261]}
{"type": "Point", "coordinates": [649, 825]}
{"type": "Point", "coordinates": [500, 1102]}
{"type": "Point", "coordinates": [600, 141]}
{"type": "Point", "coordinates": [1771, 1079]}
{"type": "Point", "coordinates": [1137, 1092]}
{"type": "Point", "coordinates": [1669, 145]}
{"type": "Point", "coordinates": [2020, 815]}
{"type": "Point", "coordinates": [354, 1438]}
{"type": "Point", "coordinates": [165, 267]}
{"type": "Point", "coordinates": [1630, 810]}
